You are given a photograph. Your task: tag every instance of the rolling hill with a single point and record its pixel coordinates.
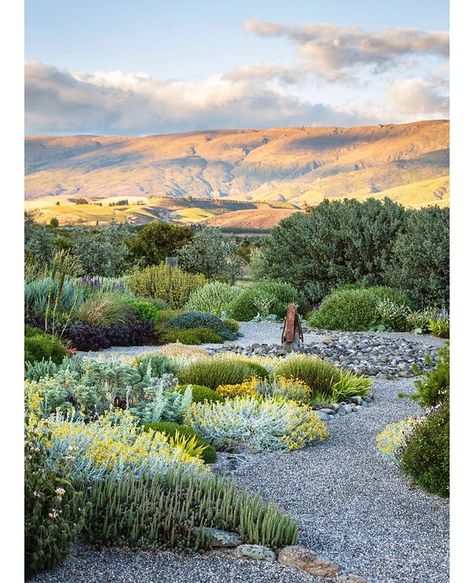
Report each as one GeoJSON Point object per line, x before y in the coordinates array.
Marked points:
{"type": "Point", "coordinates": [202, 176]}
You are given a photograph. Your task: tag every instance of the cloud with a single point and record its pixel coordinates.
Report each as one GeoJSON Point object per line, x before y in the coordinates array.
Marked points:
{"type": "Point", "coordinates": [419, 97]}
{"type": "Point", "coordinates": [61, 101]}
{"type": "Point", "coordinates": [335, 52]}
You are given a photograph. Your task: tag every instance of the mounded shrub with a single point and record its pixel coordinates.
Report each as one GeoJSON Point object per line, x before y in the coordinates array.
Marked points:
{"type": "Point", "coordinates": [145, 311]}
{"type": "Point", "coordinates": [86, 337]}
{"type": "Point", "coordinates": [173, 285]}
{"type": "Point", "coordinates": [194, 319]}
{"type": "Point", "coordinates": [41, 346]}
{"type": "Point", "coordinates": [220, 371]}
{"type": "Point", "coordinates": [328, 383]}
{"type": "Point", "coordinates": [354, 309]}
{"type": "Point", "coordinates": [201, 393]}
{"type": "Point", "coordinates": [425, 457]}
{"type": "Point", "coordinates": [170, 429]}
{"type": "Point", "coordinates": [54, 507]}
{"type": "Point", "coordinates": [191, 336]}
{"type": "Point", "coordinates": [264, 298]}
{"type": "Point", "coordinates": [161, 513]}
{"type": "Point", "coordinates": [246, 423]}
{"type": "Point", "coordinates": [214, 297]}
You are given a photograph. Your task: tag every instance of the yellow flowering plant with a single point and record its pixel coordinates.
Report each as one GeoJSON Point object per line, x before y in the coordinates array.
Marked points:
{"type": "Point", "coordinates": [391, 440]}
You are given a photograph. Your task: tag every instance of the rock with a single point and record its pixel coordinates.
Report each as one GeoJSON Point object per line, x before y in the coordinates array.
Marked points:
{"type": "Point", "coordinates": [306, 560]}
{"type": "Point", "coordinates": [322, 416]}
{"type": "Point", "coordinates": [357, 400]}
{"type": "Point", "coordinates": [221, 538]}
{"type": "Point", "coordinates": [257, 552]}
{"type": "Point", "coordinates": [327, 411]}
{"type": "Point", "coordinates": [350, 579]}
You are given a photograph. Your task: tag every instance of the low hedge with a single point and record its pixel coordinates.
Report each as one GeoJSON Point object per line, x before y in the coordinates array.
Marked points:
{"type": "Point", "coordinates": [41, 346]}
{"type": "Point", "coordinates": [191, 336]}
{"type": "Point", "coordinates": [201, 393]}
{"type": "Point", "coordinates": [220, 371]}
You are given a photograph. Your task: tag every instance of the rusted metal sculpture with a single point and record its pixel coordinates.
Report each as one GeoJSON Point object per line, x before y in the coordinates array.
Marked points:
{"type": "Point", "coordinates": [292, 333]}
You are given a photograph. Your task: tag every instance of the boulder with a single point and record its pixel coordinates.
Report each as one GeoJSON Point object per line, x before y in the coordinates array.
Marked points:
{"type": "Point", "coordinates": [350, 579]}
{"type": "Point", "coordinates": [257, 552]}
{"type": "Point", "coordinates": [304, 559]}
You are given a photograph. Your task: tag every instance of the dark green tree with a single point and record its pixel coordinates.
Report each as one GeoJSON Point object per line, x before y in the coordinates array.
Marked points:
{"type": "Point", "coordinates": [39, 241]}
{"type": "Point", "coordinates": [156, 241]}
{"type": "Point", "coordinates": [332, 244]}
{"type": "Point", "coordinates": [420, 259]}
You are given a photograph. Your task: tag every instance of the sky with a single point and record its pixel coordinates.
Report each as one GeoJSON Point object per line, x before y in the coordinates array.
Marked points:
{"type": "Point", "coordinates": [137, 67]}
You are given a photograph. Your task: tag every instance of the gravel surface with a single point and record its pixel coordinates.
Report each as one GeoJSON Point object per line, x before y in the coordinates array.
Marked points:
{"type": "Point", "coordinates": [355, 508]}
{"type": "Point", "coordinates": [90, 565]}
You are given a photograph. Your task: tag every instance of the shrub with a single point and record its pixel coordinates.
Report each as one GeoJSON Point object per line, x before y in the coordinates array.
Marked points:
{"type": "Point", "coordinates": [86, 337]}
{"type": "Point", "coordinates": [145, 311]}
{"type": "Point", "coordinates": [43, 346]}
{"type": "Point", "coordinates": [354, 309]}
{"type": "Point", "coordinates": [220, 371]}
{"type": "Point", "coordinates": [433, 388]}
{"type": "Point", "coordinates": [264, 298]}
{"type": "Point", "coordinates": [420, 259]}
{"type": "Point", "coordinates": [114, 445]}
{"type": "Point", "coordinates": [188, 320]}
{"type": "Point", "coordinates": [392, 316]}
{"type": "Point", "coordinates": [232, 325]}
{"type": "Point", "coordinates": [172, 505]}
{"type": "Point", "coordinates": [54, 506]}
{"type": "Point", "coordinates": [105, 310]}
{"type": "Point", "coordinates": [212, 253]}
{"type": "Point", "coordinates": [214, 297]}
{"type": "Point", "coordinates": [327, 382]}
{"type": "Point", "coordinates": [392, 439]}
{"type": "Point", "coordinates": [332, 244]}
{"type": "Point", "coordinates": [192, 336]}
{"type": "Point", "coordinates": [425, 457]}
{"type": "Point", "coordinates": [201, 393]}
{"type": "Point", "coordinates": [289, 388]}
{"type": "Point", "coordinates": [247, 388]}
{"type": "Point", "coordinates": [173, 285]}
{"type": "Point", "coordinates": [156, 365]}
{"type": "Point", "coordinates": [34, 371]}
{"type": "Point", "coordinates": [246, 423]}
{"type": "Point", "coordinates": [171, 430]}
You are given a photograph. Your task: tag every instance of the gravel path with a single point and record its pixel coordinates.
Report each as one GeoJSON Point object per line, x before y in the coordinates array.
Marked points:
{"type": "Point", "coordinates": [353, 507]}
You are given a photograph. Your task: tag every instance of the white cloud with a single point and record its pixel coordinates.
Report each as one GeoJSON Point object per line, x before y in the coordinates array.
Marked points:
{"type": "Point", "coordinates": [336, 52]}
{"type": "Point", "coordinates": [419, 97]}
{"type": "Point", "coordinates": [63, 101]}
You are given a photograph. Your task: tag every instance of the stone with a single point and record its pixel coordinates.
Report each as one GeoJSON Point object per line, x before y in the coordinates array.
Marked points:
{"type": "Point", "coordinates": [304, 559]}
{"type": "Point", "coordinates": [322, 416]}
{"type": "Point", "coordinates": [350, 579]}
{"type": "Point", "coordinates": [220, 538]}
{"type": "Point", "coordinates": [256, 552]}
{"type": "Point", "coordinates": [327, 411]}
{"type": "Point", "coordinates": [357, 400]}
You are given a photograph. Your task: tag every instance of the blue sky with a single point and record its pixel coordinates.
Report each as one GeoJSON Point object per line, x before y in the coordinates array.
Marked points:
{"type": "Point", "coordinates": [130, 66]}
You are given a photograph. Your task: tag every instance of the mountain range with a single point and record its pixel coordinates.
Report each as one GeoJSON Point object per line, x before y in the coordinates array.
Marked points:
{"type": "Point", "coordinates": [260, 174]}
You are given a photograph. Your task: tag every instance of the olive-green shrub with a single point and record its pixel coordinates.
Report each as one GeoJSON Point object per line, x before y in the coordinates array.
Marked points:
{"type": "Point", "coordinates": [41, 346]}
{"type": "Point", "coordinates": [191, 336]}
{"type": "Point", "coordinates": [173, 285]}
{"type": "Point", "coordinates": [220, 371]}
{"type": "Point", "coordinates": [433, 387]}
{"type": "Point", "coordinates": [328, 383]}
{"type": "Point", "coordinates": [214, 297]}
{"type": "Point", "coordinates": [425, 457]}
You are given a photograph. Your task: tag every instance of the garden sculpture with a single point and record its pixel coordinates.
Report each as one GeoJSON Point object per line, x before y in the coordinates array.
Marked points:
{"type": "Point", "coordinates": [292, 333]}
